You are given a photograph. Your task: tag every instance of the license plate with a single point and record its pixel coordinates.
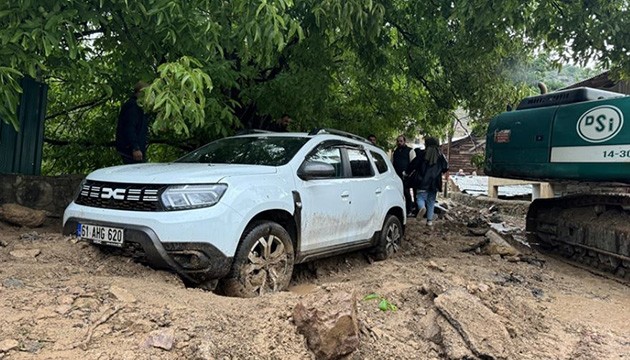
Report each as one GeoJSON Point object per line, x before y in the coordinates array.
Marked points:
{"type": "Point", "coordinates": [101, 234]}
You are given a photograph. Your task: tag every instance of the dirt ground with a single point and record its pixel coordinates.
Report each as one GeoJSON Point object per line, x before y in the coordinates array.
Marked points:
{"type": "Point", "coordinates": [69, 300]}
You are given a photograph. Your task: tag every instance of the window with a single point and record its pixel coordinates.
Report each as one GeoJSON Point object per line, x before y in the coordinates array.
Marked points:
{"type": "Point", "coordinates": [359, 163]}
{"type": "Point", "coordinates": [380, 163]}
{"type": "Point", "coordinates": [263, 150]}
{"type": "Point", "coordinates": [329, 155]}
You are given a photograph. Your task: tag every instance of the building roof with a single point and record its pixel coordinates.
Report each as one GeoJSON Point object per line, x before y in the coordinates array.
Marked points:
{"type": "Point", "coordinates": [601, 81]}
{"type": "Point", "coordinates": [469, 143]}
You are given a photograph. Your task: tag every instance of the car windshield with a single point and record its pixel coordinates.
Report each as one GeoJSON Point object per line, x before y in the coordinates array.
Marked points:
{"type": "Point", "coordinates": [260, 150]}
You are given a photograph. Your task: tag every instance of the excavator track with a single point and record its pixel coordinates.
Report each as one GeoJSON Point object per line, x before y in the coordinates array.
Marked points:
{"type": "Point", "coordinates": [593, 230]}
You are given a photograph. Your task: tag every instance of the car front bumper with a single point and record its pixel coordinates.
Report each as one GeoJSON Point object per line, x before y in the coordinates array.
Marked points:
{"type": "Point", "coordinates": [192, 243]}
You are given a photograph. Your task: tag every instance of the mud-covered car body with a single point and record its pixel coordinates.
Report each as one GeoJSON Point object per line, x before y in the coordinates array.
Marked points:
{"type": "Point", "coordinates": [326, 193]}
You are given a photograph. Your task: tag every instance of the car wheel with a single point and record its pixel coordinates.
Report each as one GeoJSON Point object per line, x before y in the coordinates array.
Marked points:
{"type": "Point", "coordinates": [390, 238]}
{"type": "Point", "coordinates": [263, 262]}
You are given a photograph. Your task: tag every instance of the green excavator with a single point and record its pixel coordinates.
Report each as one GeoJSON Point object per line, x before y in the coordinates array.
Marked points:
{"type": "Point", "coordinates": [578, 140]}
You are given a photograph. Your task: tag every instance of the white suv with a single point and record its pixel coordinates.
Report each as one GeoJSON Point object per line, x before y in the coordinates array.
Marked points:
{"type": "Point", "coordinates": [244, 209]}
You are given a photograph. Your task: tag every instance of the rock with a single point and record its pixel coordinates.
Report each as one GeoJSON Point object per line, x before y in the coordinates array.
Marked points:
{"type": "Point", "coordinates": [65, 300]}
{"type": "Point", "coordinates": [434, 286]}
{"type": "Point", "coordinates": [478, 231]}
{"type": "Point", "coordinates": [476, 223]}
{"type": "Point", "coordinates": [514, 278]}
{"type": "Point", "coordinates": [481, 329]}
{"type": "Point", "coordinates": [496, 218]}
{"type": "Point", "coordinates": [32, 236]}
{"type": "Point", "coordinates": [76, 290]}
{"type": "Point", "coordinates": [122, 294]}
{"type": "Point", "coordinates": [474, 288]}
{"type": "Point", "coordinates": [3, 243]}
{"type": "Point", "coordinates": [452, 342]}
{"type": "Point", "coordinates": [25, 253]}
{"type": "Point", "coordinates": [44, 313]}
{"type": "Point", "coordinates": [8, 345]}
{"type": "Point", "coordinates": [498, 246]}
{"type": "Point", "coordinates": [63, 309]}
{"type": "Point", "coordinates": [329, 325]}
{"type": "Point", "coordinates": [32, 346]}
{"type": "Point", "coordinates": [434, 266]}
{"type": "Point", "coordinates": [12, 283]}
{"type": "Point", "coordinates": [87, 304]}
{"type": "Point", "coordinates": [21, 215]}
{"type": "Point", "coordinates": [431, 329]}
{"type": "Point", "coordinates": [483, 287]}
{"type": "Point", "coordinates": [162, 339]}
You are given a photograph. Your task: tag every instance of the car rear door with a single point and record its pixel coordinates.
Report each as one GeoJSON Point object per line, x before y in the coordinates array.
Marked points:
{"type": "Point", "coordinates": [365, 192]}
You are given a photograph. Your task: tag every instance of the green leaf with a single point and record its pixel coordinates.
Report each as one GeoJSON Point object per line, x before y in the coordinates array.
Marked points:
{"type": "Point", "coordinates": [371, 297]}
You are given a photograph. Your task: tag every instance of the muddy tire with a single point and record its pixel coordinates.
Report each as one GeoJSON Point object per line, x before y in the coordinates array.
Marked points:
{"type": "Point", "coordinates": [263, 262]}
{"type": "Point", "coordinates": [390, 238]}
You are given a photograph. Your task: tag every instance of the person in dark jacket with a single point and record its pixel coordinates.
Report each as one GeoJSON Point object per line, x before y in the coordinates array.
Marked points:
{"type": "Point", "coordinates": [281, 124]}
{"type": "Point", "coordinates": [425, 175]}
{"type": "Point", "coordinates": [132, 129]}
{"type": "Point", "coordinates": [401, 158]}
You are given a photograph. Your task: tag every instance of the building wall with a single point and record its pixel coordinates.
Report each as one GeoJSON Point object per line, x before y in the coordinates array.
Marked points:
{"type": "Point", "coordinates": [460, 156]}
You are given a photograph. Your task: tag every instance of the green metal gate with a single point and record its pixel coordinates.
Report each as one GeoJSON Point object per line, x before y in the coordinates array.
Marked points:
{"type": "Point", "coordinates": [21, 151]}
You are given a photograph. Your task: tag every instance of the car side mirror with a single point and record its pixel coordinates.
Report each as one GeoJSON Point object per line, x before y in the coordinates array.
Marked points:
{"type": "Point", "coordinates": [316, 170]}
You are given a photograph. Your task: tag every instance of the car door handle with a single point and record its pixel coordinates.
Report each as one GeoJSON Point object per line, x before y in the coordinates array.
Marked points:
{"type": "Point", "coordinates": [345, 195]}
{"type": "Point", "coordinates": [379, 191]}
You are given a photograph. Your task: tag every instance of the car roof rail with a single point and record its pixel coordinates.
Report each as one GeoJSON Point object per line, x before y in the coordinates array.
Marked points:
{"type": "Point", "coordinates": [252, 131]}
{"type": "Point", "coordinates": [319, 131]}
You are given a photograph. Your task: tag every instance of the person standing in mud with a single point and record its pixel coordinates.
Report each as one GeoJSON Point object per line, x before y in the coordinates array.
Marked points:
{"type": "Point", "coordinates": [429, 166]}
{"type": "Point", "coordinates": [132, 129]}
{"type": "Point", "coordinates": [401, 158]}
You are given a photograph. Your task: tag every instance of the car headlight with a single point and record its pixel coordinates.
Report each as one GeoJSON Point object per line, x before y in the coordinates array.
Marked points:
{"type": "Point", "coordinates": [180, 197]}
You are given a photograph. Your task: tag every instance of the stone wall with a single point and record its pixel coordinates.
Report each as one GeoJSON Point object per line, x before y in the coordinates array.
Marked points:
{"type": "Point", "coordinates": [49, 193]}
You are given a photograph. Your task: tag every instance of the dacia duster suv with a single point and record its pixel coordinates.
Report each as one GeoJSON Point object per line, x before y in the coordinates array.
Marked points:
{"type": "Point", "coordinates": [242, 210]}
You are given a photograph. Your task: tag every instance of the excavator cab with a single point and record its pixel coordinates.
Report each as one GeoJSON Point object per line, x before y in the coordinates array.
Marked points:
{"type": "Point", "coordinates": [576, 134]}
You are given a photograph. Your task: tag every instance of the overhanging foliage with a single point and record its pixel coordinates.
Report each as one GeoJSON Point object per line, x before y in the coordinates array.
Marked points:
{"type": "Point", "coordinates": [216, 66]}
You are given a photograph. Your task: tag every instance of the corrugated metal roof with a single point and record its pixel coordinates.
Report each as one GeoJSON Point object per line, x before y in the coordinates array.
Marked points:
{"type": "Point", "coordinates": [478, 185]}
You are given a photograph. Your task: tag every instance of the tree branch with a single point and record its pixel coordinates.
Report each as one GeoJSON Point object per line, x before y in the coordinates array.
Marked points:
{"type": "Point", "coordinates": [90, 104]}
{"type": "Point", "coordinates": [557, 6]}
{"type": "Point", "coordinates": [406, 35]}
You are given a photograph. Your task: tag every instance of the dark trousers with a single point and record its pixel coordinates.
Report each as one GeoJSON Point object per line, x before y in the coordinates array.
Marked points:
{"type": "Point", "coordinates": [409, 201]}
{"type": "Point", "coordinates": [409, 193]}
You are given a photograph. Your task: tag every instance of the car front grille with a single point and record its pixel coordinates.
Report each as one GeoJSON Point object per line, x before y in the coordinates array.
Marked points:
{"type": "Point", "coordinates": [136, 197]}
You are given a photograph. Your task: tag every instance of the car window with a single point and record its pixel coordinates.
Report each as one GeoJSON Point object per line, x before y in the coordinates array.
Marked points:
{"type": "Point", "coordinates": [262, 150]}
{"type": "Point", "coordinates": [359, 163]}
{"type": "Point", "coordinates": [330, 155]}
{"type": "Point", "coordinates": [379, 161]}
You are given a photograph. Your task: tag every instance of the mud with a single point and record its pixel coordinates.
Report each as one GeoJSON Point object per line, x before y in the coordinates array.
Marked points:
{"type": "Point", "coordinates": [70, 300]}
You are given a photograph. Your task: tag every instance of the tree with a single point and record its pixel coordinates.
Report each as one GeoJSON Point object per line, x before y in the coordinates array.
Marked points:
{"type": "Point", "coordinates": [217, 66]}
